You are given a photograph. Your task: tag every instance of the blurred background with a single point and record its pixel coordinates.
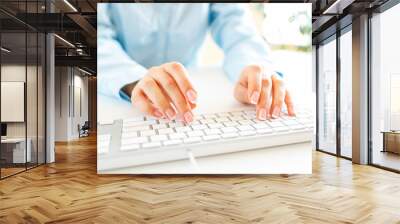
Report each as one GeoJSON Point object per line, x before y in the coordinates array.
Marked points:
{"type": "Point", "coordinates": [287, 29]}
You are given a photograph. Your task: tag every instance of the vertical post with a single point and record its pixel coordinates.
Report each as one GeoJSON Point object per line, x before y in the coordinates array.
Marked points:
{"type": "Point", "coordinates": [338, 97]}
{"type": "Point", "coordinates": [360, 90]}
{"type": "Point", "coordinates": [50, 93]}
{"type": "Point", "coordinates": [317, 97]}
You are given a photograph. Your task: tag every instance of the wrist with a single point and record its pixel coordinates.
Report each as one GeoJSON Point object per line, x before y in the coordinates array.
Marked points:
{"type": "Point", "coordinates": [126, 91]}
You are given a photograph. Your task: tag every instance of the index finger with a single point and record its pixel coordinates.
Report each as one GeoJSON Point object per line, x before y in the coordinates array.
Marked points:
{"type": "Point", "coordinates": [180, 75]}
{"type": "Point", "coordinates": [254, 76]}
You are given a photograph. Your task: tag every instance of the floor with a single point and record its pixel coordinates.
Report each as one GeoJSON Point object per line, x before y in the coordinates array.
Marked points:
{"type": "Point", "coordinates": [387, 159]}
{"type": "Point", "coordinates": [5, 172]}
{"type": "Point", "coordinates": [10, 171]}
{"type": "Point", "coordinates": [70, 191]}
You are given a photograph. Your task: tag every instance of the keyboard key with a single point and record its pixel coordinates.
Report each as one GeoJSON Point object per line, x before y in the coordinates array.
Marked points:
{"type": "Point", "coordinates": [195, 122]}
{"type": "Point", "coordinates": [135, 128]}
{"type": "Point", "coordinates": [192, 140]}
{"type": "Point", "coordinates": [224, 114]}
{"type": "Point", "coordinates": [129, 147]}
{"type": "Point", "coordinates": [177, 136]}
{"type": "Point", "coordinates": [195, 133]}
{"type": "Point", "coordinates": [260, 126]}
{"type": "Point", "coordinates": [237, 118]}
{"type": "Point", "coordinates": [221, 119]}
{"type": "Point", "coordinates": [151, 145]}
{"type": "Point", "coordinates": [228, 129]}
{"type": "Point", "coordinates": [129, 134]}
{"type": "Point", "coordinates": [275, 124]}
{"type": "Point", "coordinates": [215, 125]}
{"type": "Point", "coordinates": [207, 121]}
{"type": "Point", "coordinates": [245, 122]}
{"type": "Point", "coordinates": [159, 126]}
{"type": "Point", "coordinates": [245, 127]}
{"type": "Point", "coordinates": [209, 116]}
{"type": "Point", "coordinates": [165, 131]}
{"type": "Point", "coordinates": [199, 127]}
{"type": "Point", "coordinates": [247, 133]}
{"type": "Point", "coordinates": [230, 123]}
{"type": "Point", "coordinates": [147, 133]}
{"type": "Point", "coordinates": [290, 122]}
{"type": "Point", "coordinates": [229, 135]}
{"type": "Point", "coordinates": [137, 140]}
{"type": "Point", "coordinates": [183, 129]}
{"type": "Point", "coordinates": [305, 121]}
{"type": "Point", "coordinates": [158, 138]}
{"type": "Point", "coordinates": [211, 137]}
{"type": "Point", "coordinates": [134, 119]}
{"type": "Point", "coordinates": [172, 142]}
{"type": "Point", "coordinates": [138, 123]}
{"type": "Point", "coordinates": [250, 114]}
{"type": "Point", "coordinates": [176, 124]}
{"type": "Point", "coordinates": [163, 121]}
{"type": "Point", "coordinates": [213, 131]}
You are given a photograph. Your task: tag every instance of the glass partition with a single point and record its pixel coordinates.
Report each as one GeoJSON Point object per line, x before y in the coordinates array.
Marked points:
{"type": "Point", "coordinates": [346, 93]}
{"type": "Point", "coordinates": [385, 89]}
{"type": "Point", "coordinates": [22, 67]}
{"type": "Point", "coordinates": [13, 114]}
{"type": "Point", "coordinates": [327, 96]}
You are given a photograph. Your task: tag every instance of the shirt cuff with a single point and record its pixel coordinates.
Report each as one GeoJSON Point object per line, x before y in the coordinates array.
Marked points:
{"type": "Point", "coordinates": [134, 75]}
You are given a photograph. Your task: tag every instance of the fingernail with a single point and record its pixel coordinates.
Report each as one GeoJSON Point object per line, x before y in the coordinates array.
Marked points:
{"type": "Point", "coordinates": [254, 97]}
{"type": "Point", "coordinates": [191, 95]}
{"type": "Point", "coordinates": [170, 113]}
{"type": "Point", "coordinates": [262, 114]}
{"type": "Point", "coordinates": [276, 112]}
{"type": "Point", "coordinates": [158, 113]}
{"type": "Point", "coordinates": [188, 117]}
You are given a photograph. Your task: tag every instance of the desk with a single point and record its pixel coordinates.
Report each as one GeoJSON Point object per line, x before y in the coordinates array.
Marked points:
{"type": "Point", "coordinates": [18, 151]}
{"type": "Point", "coordinates": [215, 94]}
{"type": "Point", "coordinates": [391, 141]}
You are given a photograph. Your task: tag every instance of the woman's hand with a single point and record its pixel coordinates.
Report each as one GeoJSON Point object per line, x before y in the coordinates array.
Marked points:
{"type": "Point", "coordinates": [165, 91]}
{"type": "Point", "coordinates": [266, 91]}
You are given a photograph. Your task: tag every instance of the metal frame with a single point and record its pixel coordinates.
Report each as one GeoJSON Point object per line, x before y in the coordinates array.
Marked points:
{"type": "Point", "coordinates": [339, 32]}
{"type": "Point", "coordinates": [387, 5]}
{"type": "Point", "coordinates": [37, 164]}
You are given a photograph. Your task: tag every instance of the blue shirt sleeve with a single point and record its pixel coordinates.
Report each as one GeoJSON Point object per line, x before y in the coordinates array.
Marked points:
{"type": "Point", "coordinates": [233, 30]}
{"type": "Point", "coordinates": [116, 68]}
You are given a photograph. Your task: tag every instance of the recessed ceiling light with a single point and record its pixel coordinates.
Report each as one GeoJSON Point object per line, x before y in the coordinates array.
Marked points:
{"type": "Point", "coordinates": [5, 50]}
{"type": "Point", "coordinates": [70, 5]}
{"type": "Point", "coordinates": [65, 41]}
{"type": "Point", "coordinates": [84, 71]}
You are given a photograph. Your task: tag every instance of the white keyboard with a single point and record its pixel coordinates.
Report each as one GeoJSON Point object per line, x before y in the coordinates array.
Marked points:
{"type": "Point", "coordinates": [145, 140]}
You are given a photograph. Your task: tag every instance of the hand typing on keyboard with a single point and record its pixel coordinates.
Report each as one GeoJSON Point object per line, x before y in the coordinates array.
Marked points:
{"type": "Point", "coordinates": [266, 91]}
{"type": "Point", "coordinates": [166, 92]}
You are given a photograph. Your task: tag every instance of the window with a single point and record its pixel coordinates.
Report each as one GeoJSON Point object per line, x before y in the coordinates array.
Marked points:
{"type": "Point", "coordinates": [346, 92]}
{"type": "Point", "coordinates": [385, 89]}
{"type": "Point", "coordinates": [327, 96]}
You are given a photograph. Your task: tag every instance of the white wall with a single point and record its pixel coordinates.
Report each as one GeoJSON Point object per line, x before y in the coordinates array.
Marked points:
{"type": "Point", "coordinates": [70, 83]}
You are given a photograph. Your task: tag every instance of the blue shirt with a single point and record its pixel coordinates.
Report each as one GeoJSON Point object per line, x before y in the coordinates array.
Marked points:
{"type": "Point", "coordinates": [135, 37]}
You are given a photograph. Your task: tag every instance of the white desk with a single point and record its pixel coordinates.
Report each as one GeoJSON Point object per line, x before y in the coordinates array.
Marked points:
{"type": "Point", "coordinates": [19, 155]}
{"type": "Point", "coordinates": [215, 94]}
